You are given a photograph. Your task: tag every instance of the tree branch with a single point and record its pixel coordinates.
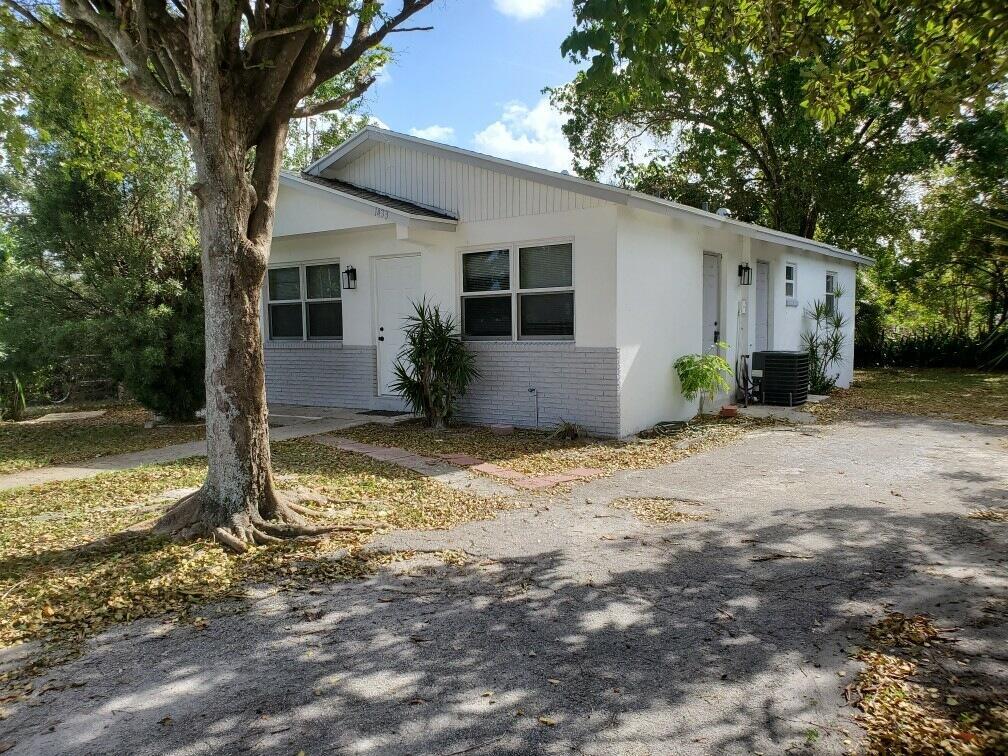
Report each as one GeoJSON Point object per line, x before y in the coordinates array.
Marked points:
{"type": "Point", "coordinates": [335, 103]}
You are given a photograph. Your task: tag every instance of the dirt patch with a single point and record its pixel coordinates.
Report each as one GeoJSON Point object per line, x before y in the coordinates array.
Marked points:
{"type": "Point", "coordinates": [918, 694]}
{"type": "Point", "coordinates": [662, 511]}
{"type": "Point", "coordinates": [537, 453]}
{"type": "Point", "coordinates": [990, 515]}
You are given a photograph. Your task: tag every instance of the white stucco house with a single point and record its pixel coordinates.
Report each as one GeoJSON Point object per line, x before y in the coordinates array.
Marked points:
{"type": "Point", "coordinates": [576, 296]}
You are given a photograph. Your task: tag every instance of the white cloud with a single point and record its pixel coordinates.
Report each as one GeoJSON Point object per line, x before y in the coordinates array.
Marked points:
{"type": "Point", "coordinates": [525, 9]}
{"type": "Point", "coordinates": [528, 135]}
{"type": "Point", "coordinates": [435, 133]}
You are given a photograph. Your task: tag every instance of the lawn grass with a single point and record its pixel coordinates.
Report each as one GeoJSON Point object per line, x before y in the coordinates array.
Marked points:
{"type": "Point", "coordinates": [60, 584]}
{"type": "Point", "coordinates": [25, 446]}
{"type": "Point", "coordinates": [969, 395]}
{"type": "Point", "coordinates": [534, 452]}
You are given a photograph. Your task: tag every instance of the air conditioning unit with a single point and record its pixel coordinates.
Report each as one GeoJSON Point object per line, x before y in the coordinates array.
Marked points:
{"type": "Point", "coordinates": [783, 377]}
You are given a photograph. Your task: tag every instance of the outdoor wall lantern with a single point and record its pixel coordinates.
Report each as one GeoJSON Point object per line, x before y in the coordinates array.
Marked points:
{"type": "Point", "coordinates": [350, 277]}
{"type": "Point", "coordinates": [744, 274]}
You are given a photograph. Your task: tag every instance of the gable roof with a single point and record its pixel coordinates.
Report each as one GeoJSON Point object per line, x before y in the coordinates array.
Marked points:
{"type": "Point", "coordinates": [367, 137]}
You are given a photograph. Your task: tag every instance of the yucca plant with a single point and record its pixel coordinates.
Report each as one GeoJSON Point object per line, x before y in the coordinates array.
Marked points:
{"type": "Point", "coordinates": [824, 342]}
{"type": "Point", "coordinates": [434, 367]}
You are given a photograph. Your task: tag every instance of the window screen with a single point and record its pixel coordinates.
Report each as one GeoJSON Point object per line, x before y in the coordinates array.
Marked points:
{"type": "Point", "coordinates": [547, 314]}
{"type": "Point", "coordinates": [284, 284]}
{"type": "Point", "coordinates": [323, 281]}
{"type": "Point", "coordinates": [325, 320]}
{"type": "Point", "coordinates": [486, 271]}
{"type": "Point", "coordinates": [285, 321]}
{"type": "Point", "coordinates": [486, 317]}
{"type": "Point", "coordinates": [545, 267]}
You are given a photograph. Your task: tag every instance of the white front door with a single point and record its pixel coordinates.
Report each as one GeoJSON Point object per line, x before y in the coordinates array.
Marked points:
{"type": "Point", "coordinates": [762, 306]}
{"type": "Point", "coordinates": [711, 300]}
{"type": "Point", "coordinates": [397, 286]}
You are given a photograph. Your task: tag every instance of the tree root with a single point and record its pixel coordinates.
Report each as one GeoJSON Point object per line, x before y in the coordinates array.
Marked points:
{"type": "Point", "coordinates": [277, 519]}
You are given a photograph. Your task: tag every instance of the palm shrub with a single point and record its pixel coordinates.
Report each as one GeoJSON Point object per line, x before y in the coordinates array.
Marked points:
{"type": "Point", "coordinates": [434, 368]}
{"type": "Point", "coordinates": [824, 341]}
{"type": "Point", "coordinates": [703, 375]}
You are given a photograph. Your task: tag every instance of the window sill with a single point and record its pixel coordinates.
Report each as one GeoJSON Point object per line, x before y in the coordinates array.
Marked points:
{"type": "Point", "coordinates": [301, 344]}
{"type": "Point", "coordinates": [791, 302]}
{"type": "Point", "coordinates": [525, 345]}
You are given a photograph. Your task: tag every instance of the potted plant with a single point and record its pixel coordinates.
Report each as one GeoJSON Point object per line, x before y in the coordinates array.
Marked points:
{"type": "Point", "coordinates": [703, 375]}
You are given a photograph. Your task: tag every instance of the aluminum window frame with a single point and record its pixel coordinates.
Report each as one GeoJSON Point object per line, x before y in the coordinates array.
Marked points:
{"type": "Point", "coordinates": [304, 301]}
{"type": "Point", "coordinates": [514, 290]}
{"type": "Point", "coordinates": [831, 297]}
{"type": "Point", "coordinates": [793, 281]}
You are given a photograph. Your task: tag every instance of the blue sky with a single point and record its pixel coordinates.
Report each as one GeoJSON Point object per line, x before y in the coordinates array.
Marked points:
{"type": "Point", "coordinates": [476, 80]}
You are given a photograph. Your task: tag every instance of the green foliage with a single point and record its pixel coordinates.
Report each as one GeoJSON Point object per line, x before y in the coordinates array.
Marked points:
{"type": "Point", "coordinates": [12, 396]}
{"type": "Point", "coordinates": [932, 54]}
{"type": "Point", "coordinates": [103, 261]}
{"type": "Point", "coordinates": [434, 368]}
{"type": "Point", "coordinates": [722, 88]}
{"type": "Point", "coordinates": [824, 341]}
{"type": "Point", "coordinates": [933, 347]}
{"type": "Point", "coordinates": [703, 375]}
{"type": "Point", "coordinates": [946, 284]}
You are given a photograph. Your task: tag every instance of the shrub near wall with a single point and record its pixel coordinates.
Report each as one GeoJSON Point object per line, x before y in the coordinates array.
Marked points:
{"type": "Point", "coordinates": [932, 348]}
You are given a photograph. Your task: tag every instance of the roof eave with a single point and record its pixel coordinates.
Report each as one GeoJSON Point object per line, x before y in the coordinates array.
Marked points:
{"type": "Point", "coordinates": [381, 211]}
{"type": "Point", "coordinates": [615, 195]}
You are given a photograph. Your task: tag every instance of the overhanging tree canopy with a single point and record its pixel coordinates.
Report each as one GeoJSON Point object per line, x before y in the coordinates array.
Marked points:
{"type": "Point", "coordinates": [725, 84]}
{"type": "Point", "coordinates": [232, 74]}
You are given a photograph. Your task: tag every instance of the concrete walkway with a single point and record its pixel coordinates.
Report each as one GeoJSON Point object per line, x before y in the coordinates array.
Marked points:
{"type": "Point", "coordinates": [294, 422]}
{"type": "Point", "coordinates": [446, 468]}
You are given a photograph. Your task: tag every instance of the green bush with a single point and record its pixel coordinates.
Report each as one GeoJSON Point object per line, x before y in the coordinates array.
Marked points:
{"type": "Point", "coordinates": [160, 356]}
{"type": "Point", "coordinates": [434, 368]}
{"type": "Point", "coordinates": [703, 375]}
{"type": "Point", "coordinates": [932, 347]}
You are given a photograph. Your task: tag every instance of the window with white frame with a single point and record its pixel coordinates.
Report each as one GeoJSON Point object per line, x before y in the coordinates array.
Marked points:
{"type": "Point", "coordinates": [519, 292]}
{"type": "Point", "coordinates": [831, 291]}
{"type": "Point", "coordinates": [790, 280]}
{"type": "Point", "coordinates": [304, 302]}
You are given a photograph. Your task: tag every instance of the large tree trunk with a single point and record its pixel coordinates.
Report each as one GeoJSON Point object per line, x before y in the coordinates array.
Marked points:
{"type": "Point", "coordinates": [238, 503]}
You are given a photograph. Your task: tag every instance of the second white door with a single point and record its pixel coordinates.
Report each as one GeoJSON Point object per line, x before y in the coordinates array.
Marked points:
{"type": "Point", "coordinates": [711, 300]}
{"type": "Point", "coordinates": [397, 286]}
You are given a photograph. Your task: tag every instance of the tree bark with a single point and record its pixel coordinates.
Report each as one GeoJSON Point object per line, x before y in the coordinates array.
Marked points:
{"type": "Point", "coordinates": [238, 503]}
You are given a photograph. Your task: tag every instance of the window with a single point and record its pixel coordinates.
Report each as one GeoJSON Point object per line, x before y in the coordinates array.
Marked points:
{"type": "Point", "coordinates": [523, 292]}
{"type": "Point", "coordinates": [546, 292]}
{"type": "Point", "coordinates": [831, 291]}
{"type": "Point", "coordinates": [790, 280]}
{"type": "Point", "coordinates": [486, 311]}
{"type": "Point", "coordinates": [304, 302]}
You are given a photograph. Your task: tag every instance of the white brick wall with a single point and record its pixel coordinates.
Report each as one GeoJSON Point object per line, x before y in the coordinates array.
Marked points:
{"type": "Point", "coordinates": [320, 374]}
{"type": "Point", "coordinates": [576, 384]}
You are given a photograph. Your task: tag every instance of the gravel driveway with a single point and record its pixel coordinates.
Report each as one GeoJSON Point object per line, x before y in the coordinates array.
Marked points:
{"type": "Point", "coordinates": [577, 628]}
